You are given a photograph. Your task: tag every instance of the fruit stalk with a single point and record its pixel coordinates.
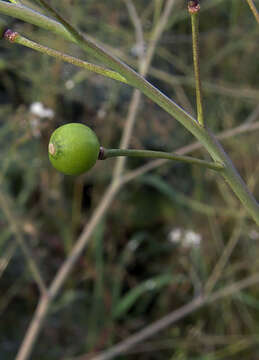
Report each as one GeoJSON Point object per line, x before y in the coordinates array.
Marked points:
{"type": "Point", "coordinates": [109, 153]}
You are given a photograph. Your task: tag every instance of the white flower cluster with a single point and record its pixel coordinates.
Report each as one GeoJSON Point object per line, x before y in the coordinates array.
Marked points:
{"type": "Point", "coordinates": [38, 109]}
{"type": "Point", "coordinates": [39, 112]}
{"type": "Point", "coordinates": [186, 238]}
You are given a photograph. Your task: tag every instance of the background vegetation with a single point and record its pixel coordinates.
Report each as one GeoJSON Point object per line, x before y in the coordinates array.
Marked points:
{"type": "Point", "coordinates": [165, 232]}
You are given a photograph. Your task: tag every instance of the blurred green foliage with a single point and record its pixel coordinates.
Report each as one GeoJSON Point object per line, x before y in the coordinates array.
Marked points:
{"type": "Point", "coordinates": [134, 271]}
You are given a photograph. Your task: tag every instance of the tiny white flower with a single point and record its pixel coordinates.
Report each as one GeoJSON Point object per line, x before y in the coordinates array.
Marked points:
{"type": "Point", "coordinates": [175, 235]}
{"type": "Point", "coordinates": [191, 238]}
{"type": "Point", "coordinates": [38, 109]}
{"type": "Point", "coordinates": [69, 84]}
{"type": "Point", "coordinates": [186, 238]}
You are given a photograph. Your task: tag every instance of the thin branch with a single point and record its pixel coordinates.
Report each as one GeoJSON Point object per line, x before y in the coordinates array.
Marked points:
{"type": "Point", "coordinates": [194, 9]}
{"type": "Point", "coordinates": [136, 97]}
{"type": "Point", "coordinates": [5, 258]}
{"type": "Point", "coordinates": [34, 328]}
{"type": "Point", "coordinates": [228, 250]}
{"type": "Point", "coordinates": [187, 149]}
{"type": "Point", "coordinates": [253, 9]}
{"type": "Point", "coordinates": [14, 37]}
{"type": "Point", "coordinates": [138, 31]}
{"type": "Point", "coordinates": [4, 203]}
{"type": "Point", "coordinates": [127, 131]}
{"type": "Point", "coordinates": [109, 153]}
{"type": "Point", "coordinates": [58, 281]}
{"type": "Point", "coordinates": [150, 330]}
{"type": "Point", "coordinates": [144, 65]}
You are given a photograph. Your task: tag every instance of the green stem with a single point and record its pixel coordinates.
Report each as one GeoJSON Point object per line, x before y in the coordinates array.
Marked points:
{"type": "Point", "coordinates": [194, 11]}
{"type": "Point", "coordinates": [203, 135]}
{"type": "Point", "coordinates": [33, 17]}
{"type": "Point", "coordinates": [109, 153]}
{"type": "Point", "coordinates": [18, 39]}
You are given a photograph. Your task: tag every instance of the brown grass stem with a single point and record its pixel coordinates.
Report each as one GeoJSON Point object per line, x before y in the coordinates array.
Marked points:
{"type": "Point", "coordinates": [254, 10]}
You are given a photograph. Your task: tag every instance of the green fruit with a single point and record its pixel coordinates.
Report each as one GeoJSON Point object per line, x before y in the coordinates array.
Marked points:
{"type": "Point", "coordinates": [73, 149]}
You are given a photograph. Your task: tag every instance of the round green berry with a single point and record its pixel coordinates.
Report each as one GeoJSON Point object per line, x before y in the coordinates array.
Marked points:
{"type": "Point", "coordinates": [73, 149]}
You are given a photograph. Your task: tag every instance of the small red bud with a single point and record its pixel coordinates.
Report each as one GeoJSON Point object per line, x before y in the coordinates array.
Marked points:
{"type": "Point", "coordinates": [10, 35]}
{"type": "Point", "coordinates": [193, 6]}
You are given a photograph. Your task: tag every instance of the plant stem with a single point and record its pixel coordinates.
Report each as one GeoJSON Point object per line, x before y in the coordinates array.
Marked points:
{"type": "Point", "coordinates": [253, 9]}
{"type": "Point", "coordinates": [207, 139]}
{"type": "Point", "coordinates": [194, 9]}
{"type": "Point", "coordinates": [109, 153]}
{"type": "Point", "coordinates": [15, 37]}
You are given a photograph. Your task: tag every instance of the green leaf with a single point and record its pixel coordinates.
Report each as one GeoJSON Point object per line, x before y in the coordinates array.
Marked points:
{"type": "Point", "coordinates": [152, 284]}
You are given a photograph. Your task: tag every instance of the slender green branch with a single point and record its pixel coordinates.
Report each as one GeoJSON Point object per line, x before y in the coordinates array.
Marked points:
{"type": "Point", "coordinates": [133, 77]}
{"type": "Point", "coordinates": [253, 9]}
{"type": "Point", "coordinates": [194, 9]}
{"type": "Point", "coordinates": [203, 135]}
{"type": "Point", "coordinates": [33, 17]}
{"type": "Point", "coordinates": [15, 37]}
{"type": "Point", "coordinates": [109, 153]}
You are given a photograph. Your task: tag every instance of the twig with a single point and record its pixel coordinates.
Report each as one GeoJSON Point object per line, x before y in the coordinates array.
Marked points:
{"type": "Point", "coordinates": [219, 267]}
{"type": "Point", "coordinates": [45, 301]}
{"type": "Point", "coordinates": [187, 149]}
{"type": "Point", "coordinates": [138, 31]}
{"type": "Point", "coordinates": [109, 153]}
{"type": "Point", "coordinates": [228, 250]}
{"type": "Point", "coordinates": [5, 258]}
{"type": "Point", "coordinates": [253, 9]}
{"type": "Point", "coordinates": [15, 37]}
{"type": "Point", "coordinates": [136, 97]}
{"type": "Point", "coordinates": [21, 241]}
{"type": "Point", "coordinates": [144, 65]}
